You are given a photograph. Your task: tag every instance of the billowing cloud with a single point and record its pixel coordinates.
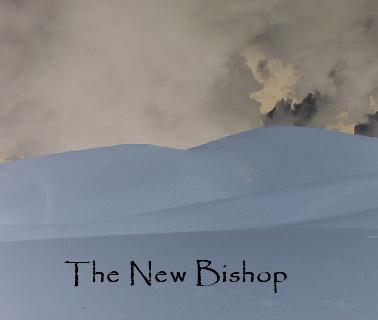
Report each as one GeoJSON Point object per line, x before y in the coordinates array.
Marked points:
{"type": "Point", "coordinates": [79, 74]}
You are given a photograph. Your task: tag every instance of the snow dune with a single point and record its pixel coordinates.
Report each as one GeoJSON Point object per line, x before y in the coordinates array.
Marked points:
{"type": "Point", "coordinates": [249, 172]}
{"type": "Point", "coordinates": [261, 178]}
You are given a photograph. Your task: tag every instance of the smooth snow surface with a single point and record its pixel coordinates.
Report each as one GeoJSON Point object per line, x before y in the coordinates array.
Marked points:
{"type": "Point", "coordinates": [303, 201]}
{"type": "Point", "coordinates": [247, 169]}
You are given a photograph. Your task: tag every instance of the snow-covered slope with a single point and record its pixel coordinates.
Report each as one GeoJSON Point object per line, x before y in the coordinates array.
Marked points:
{"type": "Point", "coordinates": [302, 201]}
{"type": "Point", "coordinates": [117, 182]}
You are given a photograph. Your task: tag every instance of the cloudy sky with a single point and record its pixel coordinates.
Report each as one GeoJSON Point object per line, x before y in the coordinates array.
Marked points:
{"type": "Point", "coordinates": [85, 73]}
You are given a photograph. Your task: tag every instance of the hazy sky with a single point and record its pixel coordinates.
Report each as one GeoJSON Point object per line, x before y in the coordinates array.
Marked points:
{"type": "Point", "coordinates": [84, 73]}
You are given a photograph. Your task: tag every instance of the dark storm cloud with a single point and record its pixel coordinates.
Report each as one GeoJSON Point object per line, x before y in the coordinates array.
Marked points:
{"type": "Point", "coordinates": [368, 128]}
{"type": "Point", "coordinates": [304, 113]}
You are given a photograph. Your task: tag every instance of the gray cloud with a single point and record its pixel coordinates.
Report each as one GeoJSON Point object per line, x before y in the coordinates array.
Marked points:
{"type": "Point", "coordinates": [263, 69]}
{"type": "Point", "coordinates": [78, 74]}
{"type": "Point", "coordinates": [88, 73]}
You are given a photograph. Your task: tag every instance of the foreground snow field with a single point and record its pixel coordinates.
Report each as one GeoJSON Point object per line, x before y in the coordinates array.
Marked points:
{"type": "Point", "coordinates": [332, 274]}
{"type": "Point", "coordinates": [302, 201]}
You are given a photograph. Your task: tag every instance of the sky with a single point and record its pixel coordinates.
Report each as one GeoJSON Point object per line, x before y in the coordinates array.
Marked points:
{"type": "Point", "coordinates": [79, 74]}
